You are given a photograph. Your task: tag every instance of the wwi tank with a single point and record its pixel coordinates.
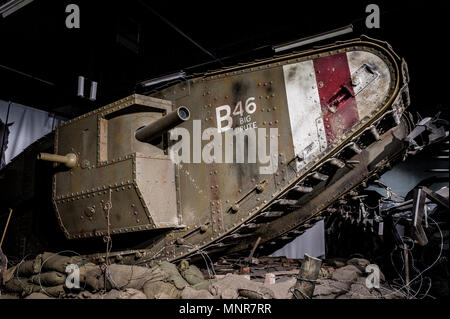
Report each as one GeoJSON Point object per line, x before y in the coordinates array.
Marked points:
{"type": "Point", "coordinates": [216, 162]}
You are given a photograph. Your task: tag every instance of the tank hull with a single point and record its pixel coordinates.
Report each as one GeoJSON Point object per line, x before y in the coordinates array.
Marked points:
{"type": "Point", "coordinates": [327, 120]}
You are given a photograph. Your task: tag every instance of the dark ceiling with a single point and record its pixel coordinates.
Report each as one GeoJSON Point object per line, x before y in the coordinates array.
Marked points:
{"type": "Point", "coordinates": [121, 43]}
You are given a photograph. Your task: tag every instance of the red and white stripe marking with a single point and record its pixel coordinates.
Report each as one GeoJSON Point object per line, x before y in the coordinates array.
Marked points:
{"type": "Point", "coordinates": [330, 95]}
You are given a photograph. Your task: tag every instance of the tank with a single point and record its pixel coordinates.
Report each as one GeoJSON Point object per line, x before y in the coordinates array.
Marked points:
{"type": "Point", "coordinates": [255, 153]}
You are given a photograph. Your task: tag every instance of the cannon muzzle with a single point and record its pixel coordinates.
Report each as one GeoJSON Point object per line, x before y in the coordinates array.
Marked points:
{"type": "Point", "coordinates": [70, 160]}
{"type": "Point", "coordinates": [151, 131]}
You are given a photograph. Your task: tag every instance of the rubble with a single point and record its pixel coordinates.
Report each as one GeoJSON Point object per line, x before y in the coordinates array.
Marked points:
{"type": "Point", "coordinates": [361, 263]}
{"type": "Point", "coordinates": [263, 278]}
{"type": "Point", "coordinates": [234, 287]}
{"type": "Point", "coordinates": [329, 289]}
{"type": "Point", "coordinates": [347, 273]}
{"type": "Point", "coordinates": [38, 295]}
{"type": "Point", "coordinates": [191, 293]}
{"type": "Point", "coordinates": [128, 293]}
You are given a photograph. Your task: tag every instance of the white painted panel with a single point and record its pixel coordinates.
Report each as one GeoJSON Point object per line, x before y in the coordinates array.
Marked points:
{"type": "Point", "coordinates": [372, 95]}
{"type": "Point", "coordinates": [305, 114]}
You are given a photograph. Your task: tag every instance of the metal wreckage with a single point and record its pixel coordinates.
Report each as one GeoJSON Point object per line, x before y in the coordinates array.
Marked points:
{"type": "Point", "coordinates": [340, 112]}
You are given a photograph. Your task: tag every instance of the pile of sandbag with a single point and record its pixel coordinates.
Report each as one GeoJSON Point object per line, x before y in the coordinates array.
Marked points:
{"type": "Point", "coordinates": [237, 287]}
{"type": "Point", "coordinates": [164, 281]}
{"type": "Point", "coordinates": [45, 277]}
{"type": "Point", "coordinates": [46, 274]}
{"type": "Point", "coordinates": [340, 279]}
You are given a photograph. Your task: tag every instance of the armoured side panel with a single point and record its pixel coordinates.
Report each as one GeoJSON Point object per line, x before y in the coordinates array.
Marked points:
{"type": "Point", "coordinates": [119, 185]}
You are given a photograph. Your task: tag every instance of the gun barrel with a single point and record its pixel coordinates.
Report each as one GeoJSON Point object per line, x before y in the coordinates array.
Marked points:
{"type": "Point", "coordinates": [162, 125]}
{"type": "Point", "coordinates": [70, 160]}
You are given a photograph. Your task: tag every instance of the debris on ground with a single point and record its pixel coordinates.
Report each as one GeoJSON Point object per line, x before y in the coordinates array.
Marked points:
{"type": "Point", "coordinates": [45, 277]}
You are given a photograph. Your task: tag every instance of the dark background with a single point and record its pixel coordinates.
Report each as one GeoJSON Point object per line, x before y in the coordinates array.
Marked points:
{"type": "Point", "coordinates": [121, 43]}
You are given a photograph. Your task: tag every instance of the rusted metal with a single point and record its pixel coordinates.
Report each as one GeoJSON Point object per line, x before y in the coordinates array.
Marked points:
{"type": "Point", "coordinates": [307, 277]}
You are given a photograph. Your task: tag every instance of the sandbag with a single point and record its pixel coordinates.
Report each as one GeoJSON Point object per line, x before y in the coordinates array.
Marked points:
{"type": "Point", "coordinates": [234, 286]}
{"type": "Point", "coordinates": [347, 273]}
{"type": "Point", "coordinates": [326, 288]}
{"type": "Point", "coordinates": [55, 291]}
{"type": "Point", "coordinates": [21, 286]}
{"type": "Point", "coordinates": [191, 293]}
{"type": "Point", "coordinates": [161, 290]}
{"type": "Point", "coordinates": [55, 262]}
{"type": "Point", "coordinates": [38, 295]}
{"type": "Point", "coordinates": [250, 294]}
{"type": "Point", "coordinates": [25, 288]}
{"type": "Point", "coordinates": [191, 273]}
{"type": "Point", "coordinates": [361, 263]}
{"type": "Point", "coordinates": [228, 288]}
{"type": "Point", "coordinates": [94, 279]}
{"type": "Point", "coordinates": [28, 268]}
{"type": "Point", "coordinates": [203, 285]}
{"type": "Point", "coordinates": [128, 293]}
{"type": "Point", "coordinates": [51, 278]}
{"type": "Point", "coordinates": [173, 275]}
{"type": "Point", "coordinates": [16, 284]}
{"type": "Point", "coordinates": [122, 276]}
{"type": "Point", "coordinates": [9, 274]}
{"type": "Point", "coordinates": [84, 269]}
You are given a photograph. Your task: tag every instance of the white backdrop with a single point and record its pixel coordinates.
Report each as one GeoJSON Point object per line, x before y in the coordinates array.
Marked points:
{"type": "Point", "coordinates": [29, 125]}
{"type": "Point", "coordinates": [311, 242]}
